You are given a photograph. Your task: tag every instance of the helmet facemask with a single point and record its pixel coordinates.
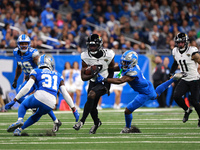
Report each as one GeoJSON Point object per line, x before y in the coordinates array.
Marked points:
{"type": "Point", "coordinates": [22, 39]}
{"type": "Point", "coordinates": [129, 60]}
{"type": "Point", "coordinates": [182, 41]}
{"type": "Point", "coordinates": [94, 44]}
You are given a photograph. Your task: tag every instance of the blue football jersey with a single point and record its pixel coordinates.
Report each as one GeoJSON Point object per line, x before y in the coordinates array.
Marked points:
{"type": "Point", "coordinates": [140, 84]}
{"type": "Point", "coordinates": [26, 61]}
{"type": "Point", "coordinates": [47, 80]}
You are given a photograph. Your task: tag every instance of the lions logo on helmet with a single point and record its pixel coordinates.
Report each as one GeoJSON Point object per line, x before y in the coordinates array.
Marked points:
{"type": "Point", "coordinates": [23, 39]}
{"type": "Point", "coordinates": [181, 38]}
{"type": "Point", "coordinates": [94, 43]}
{"type": "Point", "coordinates": [128, 60]}
{"type": "Point", "coordinates": [46, 62]}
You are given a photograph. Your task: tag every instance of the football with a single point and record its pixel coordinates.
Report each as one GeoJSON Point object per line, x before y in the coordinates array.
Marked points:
{"type": "Point", "coordinates": [88, 70]}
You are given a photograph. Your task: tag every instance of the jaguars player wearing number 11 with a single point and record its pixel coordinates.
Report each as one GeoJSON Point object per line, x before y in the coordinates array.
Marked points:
{"type": "Point", "coordinates": [27, 59]}
{"type": "Point", "coordinates": [44, 98]}
{"type": "Point", "coordinates": [188, 58]}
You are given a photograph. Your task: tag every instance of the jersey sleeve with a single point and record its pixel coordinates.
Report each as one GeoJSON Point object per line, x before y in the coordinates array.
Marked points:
{"type": "Point", "coordinates": [33, 73]}
{"type": "Point", "coordinates": [84, 57]}
{"type": "Point", "coordinates": [132, 73]}
{"type": "Point", "coordinates": [193, 50]}
{"type": "Point", "coordinates": [111, 54]}
{"type": "Point", "coordinates": [34, 52]}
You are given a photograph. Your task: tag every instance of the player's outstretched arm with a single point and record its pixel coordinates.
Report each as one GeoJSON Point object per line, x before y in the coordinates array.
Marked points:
{"type": "Point", "coordinates": [115, 80]}
{"type": "Point", "coordinates": [69, 100]}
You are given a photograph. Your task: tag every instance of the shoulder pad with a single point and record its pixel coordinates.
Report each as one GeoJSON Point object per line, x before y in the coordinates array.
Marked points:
{"type": "Point", "coordinates": [84, 55]}
{"type": "Point", "coordinates": [33, 72]}
{"type": "Point", "coordinates": [132, 73]}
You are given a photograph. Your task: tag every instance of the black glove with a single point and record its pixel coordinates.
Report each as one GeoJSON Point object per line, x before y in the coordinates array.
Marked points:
{"type": "Point", "coordinates": [14, 84]}
{"type": "Point", "coordinates": [94, 72]}
{"type": "Point", "coordinates": [169, 75]}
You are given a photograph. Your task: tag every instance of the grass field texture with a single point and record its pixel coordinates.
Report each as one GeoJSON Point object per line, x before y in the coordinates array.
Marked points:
{"type": "Point", "coordinates": [161, 129]}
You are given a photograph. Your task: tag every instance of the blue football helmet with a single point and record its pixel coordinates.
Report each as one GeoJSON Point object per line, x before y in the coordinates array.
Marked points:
{"type": "Point", "coordinates": [23, 39]}
{"type": "Point", "coordinates": [46, 62]}
{"type": "Point", "coordinates": [128, 60]}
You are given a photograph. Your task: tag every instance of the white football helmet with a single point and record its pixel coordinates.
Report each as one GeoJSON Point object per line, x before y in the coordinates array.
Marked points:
{"type": "Point", "coordinates": [23, 39]}
{"type": "Point", "coordinates": [46, 61]}
{"type": "Point", "coordinates": [128, 60]}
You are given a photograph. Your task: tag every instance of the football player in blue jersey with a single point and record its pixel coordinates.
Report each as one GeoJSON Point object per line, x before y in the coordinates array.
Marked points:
{"type": "Point", "coordinates": [132, 74]}
{"type": "Point", "coordinates": [44, 98]}
{"type": "Point", "coordinates": [27, 60]}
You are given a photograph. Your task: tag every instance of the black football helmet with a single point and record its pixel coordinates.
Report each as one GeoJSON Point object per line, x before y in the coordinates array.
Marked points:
{"type": "Point", "coordinates": [181, 38]}
{"type": "Point", "coordinates": [94, 43]}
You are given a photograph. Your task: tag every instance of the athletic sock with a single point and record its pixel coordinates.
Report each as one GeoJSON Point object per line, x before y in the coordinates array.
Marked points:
{"type": "Point", "coordinates": [162, 87]}
{"type": "Point", "coordinates": [128, 119]}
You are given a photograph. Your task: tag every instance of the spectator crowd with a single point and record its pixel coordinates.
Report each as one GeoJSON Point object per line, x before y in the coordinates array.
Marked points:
{"type": "Point", "coordinates": [69, 22]}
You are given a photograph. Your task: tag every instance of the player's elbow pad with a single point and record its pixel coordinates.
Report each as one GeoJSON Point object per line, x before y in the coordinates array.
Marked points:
{"type": "Point", "coordinates": [66, 96]}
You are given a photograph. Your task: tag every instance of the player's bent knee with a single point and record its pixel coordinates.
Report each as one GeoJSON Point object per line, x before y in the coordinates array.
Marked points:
{"type": "Point", "coordinates": [127, 111]}
{"type": "Point", "coordinates": [91, 95]}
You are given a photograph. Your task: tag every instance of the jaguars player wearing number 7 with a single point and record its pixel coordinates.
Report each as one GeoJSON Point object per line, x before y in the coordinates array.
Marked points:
{"type": "Point", "coordinates": [44, 98]}
{"type": "Point", "coordinates": [27, 59]}
{"type": "Point", "coordinates": [104, 60]}
{"type": "Point", "coordinates": [188, 58]}
{"type": "Point", "coordinates": [132, 74]}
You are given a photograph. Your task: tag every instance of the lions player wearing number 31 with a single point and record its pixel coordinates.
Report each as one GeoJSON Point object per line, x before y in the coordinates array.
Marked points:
{"type": "Point", "coordinates": [188, 58]}
{"type": "Point", "coordinates": [27, 60]}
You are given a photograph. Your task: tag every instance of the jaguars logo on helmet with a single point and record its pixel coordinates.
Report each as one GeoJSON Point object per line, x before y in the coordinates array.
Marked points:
{"type": "Point", "coordinates": [94, 44]}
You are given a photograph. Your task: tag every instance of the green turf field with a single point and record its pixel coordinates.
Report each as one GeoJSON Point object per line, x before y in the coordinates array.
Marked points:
{"type": "Point", "coordinates": [161, 129]}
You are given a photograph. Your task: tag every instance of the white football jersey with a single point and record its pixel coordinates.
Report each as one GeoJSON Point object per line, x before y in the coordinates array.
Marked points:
{"type": "Point", "coordinates": [186, 63]}
{"type": "Point", "coordinates": [104, 61]}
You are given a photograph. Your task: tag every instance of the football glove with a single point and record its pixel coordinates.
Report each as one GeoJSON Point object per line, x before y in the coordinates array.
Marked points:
{"type": "Point", "coordinates": [76, 115]}
{"type": "Point", "coordinates": [100, 78]}
{"type": "Point", "coordinates": [14, 84]}
{"type": "Point", "coordinates": [9, 105]}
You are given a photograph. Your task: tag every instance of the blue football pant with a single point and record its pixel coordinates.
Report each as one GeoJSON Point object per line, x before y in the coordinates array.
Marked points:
{"type": "Point", "coordinates": [32, 102]}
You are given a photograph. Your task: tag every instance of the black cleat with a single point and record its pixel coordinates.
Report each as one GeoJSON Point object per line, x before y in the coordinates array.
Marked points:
{"type": "Point", "coordinates": [56, 126]}
{"type": "Point", "coordinates": [95, 127]}
{"type": "Point", "coordinates": [78, 125]}
{"type": "Point", "coordinates": [186, 116]}
{"type": "Point", "coordinates": [132, 129]}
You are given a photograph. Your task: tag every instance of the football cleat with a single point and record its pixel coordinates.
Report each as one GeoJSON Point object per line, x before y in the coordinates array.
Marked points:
{"type": "Point", "coordinates": [78, 125]}
{"type": "Point", "coordinates": [186, 116]}
{"type": "Point", "coordinates": [56, 126]}
{"type": "Point", "coordinates": [95, 127]}
{"type": "Point", "coordinates": [133, 129]}
{"type": "Point", "coordinates": [125, 130]}
{"type": "Point", "coordinates": [17, 132]}
{"type": "Point", "coordinates": [15, 125]}
{"type": "Point", "coordinates": [180, 75]}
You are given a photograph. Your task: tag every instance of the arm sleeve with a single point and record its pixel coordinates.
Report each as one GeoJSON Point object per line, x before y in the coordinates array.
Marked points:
{"type": "Point", "coordinates": [66, 96]}
{"type": "Point", "coordinates": [174, 67]}
{"type": "Point", "coordinates": [25, 89]}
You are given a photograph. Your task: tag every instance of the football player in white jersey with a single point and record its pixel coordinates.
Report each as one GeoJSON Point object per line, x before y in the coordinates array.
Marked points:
{"type": "Point", "coordinates": [44, 99]}
{"type": "Point", "coordinates": [188, 58]}
{"type": "Point", "coordinates": [104, 60]}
